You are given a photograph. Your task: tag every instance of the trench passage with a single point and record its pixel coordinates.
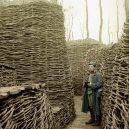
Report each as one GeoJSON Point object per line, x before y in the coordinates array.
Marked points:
{"type": "Point", "coordinates": [81, 118]}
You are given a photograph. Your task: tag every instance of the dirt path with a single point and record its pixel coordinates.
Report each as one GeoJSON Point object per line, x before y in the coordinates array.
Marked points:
{"type": "Point", "coordinates": [81, 118]}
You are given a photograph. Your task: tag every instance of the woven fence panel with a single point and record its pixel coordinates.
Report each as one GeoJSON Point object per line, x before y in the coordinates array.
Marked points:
{"type": "Point", "coordinates": [77, 53]}
{"type": "Point", "coordinates": [110, 75]}
{"type": "Point", "coordinates": [32, 40]}
{"type": "Point", "coordinates": [118, 111]}
{"type": "Point", "coordinates": [25, 109]}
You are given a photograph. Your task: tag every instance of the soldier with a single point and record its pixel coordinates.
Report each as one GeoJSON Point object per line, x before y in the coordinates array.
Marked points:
{"type": "Point", "coordinates": [91, 98]}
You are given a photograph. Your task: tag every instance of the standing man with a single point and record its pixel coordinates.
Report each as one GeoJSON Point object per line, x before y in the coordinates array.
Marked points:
{"type": "Point", "coordinates": [92, 94]}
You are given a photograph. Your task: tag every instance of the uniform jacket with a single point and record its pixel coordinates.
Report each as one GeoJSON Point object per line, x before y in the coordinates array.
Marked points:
{"type": "Point", "coordinates": [97, 83]}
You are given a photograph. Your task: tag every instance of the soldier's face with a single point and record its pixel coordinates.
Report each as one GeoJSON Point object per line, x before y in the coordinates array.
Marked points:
{"type": "Point", "coordinates": [91, 68]}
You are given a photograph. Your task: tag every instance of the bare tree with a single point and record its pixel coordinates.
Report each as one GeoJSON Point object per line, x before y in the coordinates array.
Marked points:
{"type": "Point", "coordinates": [101, 21]}
{"type": "Point", "coordinates": [81, 29]}
{"type": "Point", "coordinates": [70, 26]}
{"type": "Point", "coordinates": [87, 24]}
{"type": "Point", "coordinates": [117, 5]}
{"type": "Point", "coordinates": [109, 30]}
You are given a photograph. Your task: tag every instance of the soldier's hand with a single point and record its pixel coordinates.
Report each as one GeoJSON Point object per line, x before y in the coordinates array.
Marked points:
{"type": "Point", "coordinates": [86, 84]}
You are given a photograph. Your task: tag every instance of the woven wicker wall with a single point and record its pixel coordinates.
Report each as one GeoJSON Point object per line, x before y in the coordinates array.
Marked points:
{"type": "Point", "coordinates": [32, 40]}
{"type": "Point", "coordinates": [25, 107]}
{"type": "Point", "coordinates": [116, 90]}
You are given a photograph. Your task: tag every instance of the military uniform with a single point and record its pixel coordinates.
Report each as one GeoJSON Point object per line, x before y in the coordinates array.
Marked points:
{"type": "Point", "coordinates": [93, 90]}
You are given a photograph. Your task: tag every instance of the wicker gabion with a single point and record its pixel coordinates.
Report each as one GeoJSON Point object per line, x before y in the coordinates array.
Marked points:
{"type": "Point", "coordinates": [25, 107]}
{"type": "Point", "coordinates": [32, 40]}
{"type": "Point", "coordinates": [109, 70]}
{"type": "Point", "coordinates": [77, 53]}
{"type": "Point", "coordinates": [119, 95]}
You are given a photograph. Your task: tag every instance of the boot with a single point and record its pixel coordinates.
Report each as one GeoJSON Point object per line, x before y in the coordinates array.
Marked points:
{"type": "Point", "coordinates": [97, 122]}
{"type": "Point", "coordinates": [92, 119]}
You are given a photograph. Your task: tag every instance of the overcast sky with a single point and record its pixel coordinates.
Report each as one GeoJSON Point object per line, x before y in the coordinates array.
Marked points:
{"type": "Point", "coordinates": [109, 14]}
